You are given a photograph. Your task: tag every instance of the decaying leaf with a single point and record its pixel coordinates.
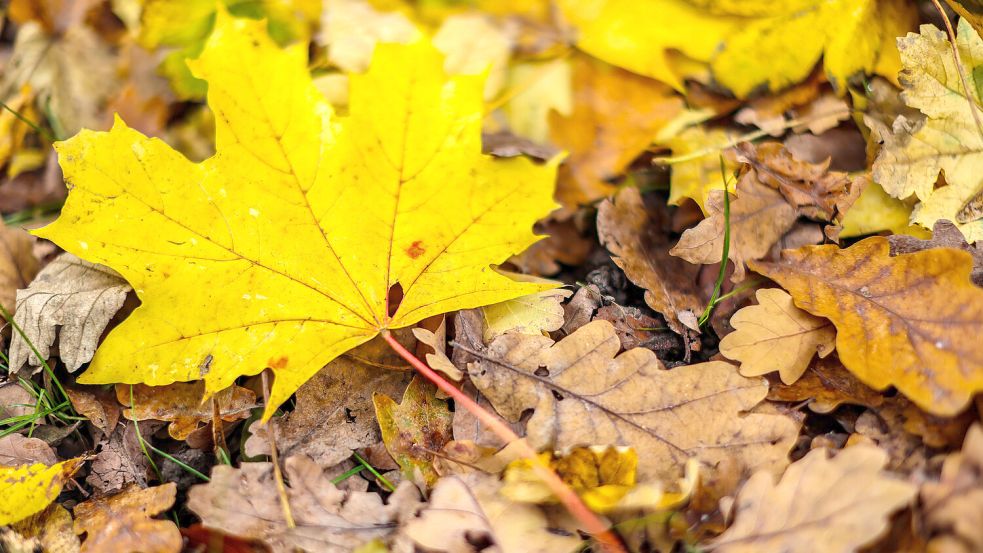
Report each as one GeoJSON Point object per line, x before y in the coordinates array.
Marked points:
{"type": "Point", "coordinates": [465, 510]}
{"type": "Point", "coordinates": [581, 394]}
{"type": "Point", "coordinates": [947, 140]}
{"type": "Point", "coordinates": [49, 530]}
{"type": "Point", "coordinates": [284, 246]}
{"type": "Point", "coordinates": [123, 522]}
{"type": "Point", "coordinates": [243, 502]}
{"type": "Point", "coordinates": [71, 300]}
{"type": "Point", "coordinates": [748, 45]}
{"type": "Point", "coordinates": [604, 477]}
{"type": "Point", "coordinates": [911, 321]}
{"type": "Point", "coordinates": [28, 489]}
{"type": "Point", "coordinates": [819, 505]}
{"type": "Point", "coordinates": [182, 405]}
{"type": "Point", "coordinates": [945, 234]}
{"type": "Point", "coordinates": [826, 384]}
{"type": "Point", "coordinates": [414, 429]}
{"type": "Point", "coordinates": [759, 217]}
{"type": "Point", "coordinates": [96, 404]}
{"type": "Point", "coordinates": [954, 504]}
{"type": "Point", "coordinates": [532, 314]}
{"type": "Point", "coordinates": [16, 450]}
{"type": "Point", "coordinates": [641, 250]}
{"type": "Point", "coordinates": [615, 116]}
{"type": "Point", "coordinates": [17, 263]}
{"type": "Point", "coordinates": [333, 415]}
{"type": "Point", "coordinates": [16, 400]}
{"type": "Point", "coordinates": [120, 460]}
{"type": "Point", "coordinates": [775, 335]}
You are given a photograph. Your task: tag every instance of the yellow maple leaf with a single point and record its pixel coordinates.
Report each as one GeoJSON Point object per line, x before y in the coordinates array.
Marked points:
{"type": "Point", "coordinates": [747, 44]}
{"type": "Point", "coordinates": [28, 489]}
{"type": "Point", "coordinates": [697, 173]}
{"type": "Point", "coordinates": [912, 321]}
{"type": "Point", "coordinates": [281, 250]}
{"type": "Point", "coordinates": [947, 140]}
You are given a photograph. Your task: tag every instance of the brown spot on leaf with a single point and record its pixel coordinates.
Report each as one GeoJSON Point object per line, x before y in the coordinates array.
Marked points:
{"type": "Point", "coordinates": [416, 249]}
{"type": "Point", "coordinates": [279, 362]}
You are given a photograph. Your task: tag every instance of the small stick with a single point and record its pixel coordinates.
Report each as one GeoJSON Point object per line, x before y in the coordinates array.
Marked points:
{"type": "Point", "coordinates": [277, 475]}
{"type": "Point", "coordinates": [567, 497]}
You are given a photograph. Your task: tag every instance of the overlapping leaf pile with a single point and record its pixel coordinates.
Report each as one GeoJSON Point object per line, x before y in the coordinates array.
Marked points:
{"type": "Point", "coordinates": [760, 217]}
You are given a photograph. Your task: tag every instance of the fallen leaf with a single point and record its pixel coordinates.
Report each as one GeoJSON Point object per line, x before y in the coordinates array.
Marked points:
{"type": "Point", "coordinates": [819, 505]}
{"type": "Point", "coordinates": [826, 384]}
{"type": "Point", "coordinates": [604, 477]}
{"type": "Point", "coordinates": [542, 87]}
{"type": "Point", "coordinates": [698, 174]}
{"type": "Point", "coordinates": [532, 314]}
{"type": "Point", "coordinates": [910, 321]}
{"type": "Point", "coordinates": [947, 140]}
{"type": "Point", "coordinates": [465, 510]}
{"type": "Point", "coordinates": [49, 530]}
{"type": "Point", "coordinates": [564, 244]}
{"type": "Point", "coordinates": [18, 266]}
{"type": "Point", "coordinates": [748, 45]}
{"type": "Point", "coordinates": [759, 217]}
{"type": "Point", "coordinates": [581, 394]}
{"type": "Point", "coordinates": [875, 211]}
{"type": "Point", "coordinates": [615, 117]}
{"type": "Point", "coordinates": [640, 248]}
{"type": "Point", "coordinates": [945, 234]}
{"type": "Point", "coordinates": [123, 522]}
{"type": "Point", "coordinates": [71, 300]}
{"type": "Point", "coordinates": [294, 304]}
{"type": "Point", "coordinates": [776, 336]}
{"type": "Point", "coordinates": [16, 400]}
{"type": "Point", "coordinates": [438, 360]}
{"type": "Point", "coordinates": [17, 154]}
{"type": "Point", "coordinates": [414, 429]}
{"type": "Point", "coordinates": [28, 489]}
{"type": "Point", "coordinates": [333, 415]}
{"type": "Point", "coordinates": [952, 506]}
{"type": "Point", "coordinates": [884, 428]}
{"type": "Point", "coordinates": [970, 11]}
{"type": "Point", "coordinates": [120, 460]}
{"type": "Point", "coordinates": [16, 450]}
{"type": "Point", "coordinates": [182, 404]}
{"type": "Point", "coordinates": [96, 404]}
{"type": "Point", "coordinates": [352, 28]}
{"type": "Point", "coordinates": [243, 502]}
{"type": "Point", "coordinates": [472, 45]}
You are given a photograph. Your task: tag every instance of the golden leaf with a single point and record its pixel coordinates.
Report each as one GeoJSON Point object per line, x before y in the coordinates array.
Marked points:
{"type": "Point", "coordinates": [122, 522]}
{"type": "Point", "coordinates": [776, 336]}
{"type": "Point", "coordinates": [282, 249]}
{"type": "Point", "coordinates": [414, 429]}
{"type": "Point", "coordinates": [182, 405]}
{"type": "Point", "coordinates": [28, 489]}
{"type": "Point", "coordinates": [911, 321]}
{"type": "Point", "coordinates": [953, 504]}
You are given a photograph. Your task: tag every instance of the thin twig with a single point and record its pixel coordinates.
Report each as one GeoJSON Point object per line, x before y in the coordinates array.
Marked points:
{"type": "Point", "coordinates": [561, 490]}
{"type": "Point", "coordinates": [281, 488]}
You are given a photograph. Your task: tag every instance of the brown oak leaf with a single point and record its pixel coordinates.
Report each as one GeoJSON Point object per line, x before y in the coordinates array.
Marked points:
{"type": "Point", "coordinates": [123, 522]}
{"type": "Point", "coordinates": [181, 405]}
{"type": "Point", "coordinates": [953, 506]}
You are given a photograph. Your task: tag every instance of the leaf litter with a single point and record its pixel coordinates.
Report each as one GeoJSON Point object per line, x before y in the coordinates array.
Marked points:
{"type": "Point", "coordinates": [759, 222]}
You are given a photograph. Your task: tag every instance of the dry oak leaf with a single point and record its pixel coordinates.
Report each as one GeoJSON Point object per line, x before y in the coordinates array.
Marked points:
{"type": "Point", "coordinates": [953, 506]}
{"type": "Point", "coordinates": [120, 460]}
{"type": "Point", "coordinates": [581, 394]}
{"type": "Point", "coordinates": [333, 415]}
{"type": "Point", "coordinates": [96, 404]}
{"type": "Point", "coordinates": [28, 489]}
{"type": "Point", "coordinates": [281, 250]}
{"type": "Point", "coordinates": [946, 140]}
{"type": "Point", "coordinates": [243, 502]}
{"type": "Point", "coordinates": [123, 521]}
{"type": "Point", "coordinates": [775, 335]}
{"type": "Point", "coordinates": [641, 250]}
{"type": "Point", "coordinates": [820, 505]}
{"type": "Point", "coordinates": [71, 300]}
{"type": "Point", "coordinates": [470, 509]}
{"type": "Point", "coordinates": [826, 384]}
{"type": "Point", "coordinates": [16, 450]}
{"type": "Point", "coordinates": [615, 116]}
{"type": "Point", "coordinates": [759, 217]}
{"type": "Point", "coordinates": [18, 266]}
{"type": "Point", "coordinates": [414, 429]}
{"type": "Point", "coordinates": [748, 44]}
{"type": "Point", "coordinates": [181, 404]}
{"type": "Point", "coordinates": [911, 321]}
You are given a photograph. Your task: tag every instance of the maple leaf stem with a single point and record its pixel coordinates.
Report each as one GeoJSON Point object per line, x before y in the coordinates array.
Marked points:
{"type": "Point", "coordinates": [561, 490]}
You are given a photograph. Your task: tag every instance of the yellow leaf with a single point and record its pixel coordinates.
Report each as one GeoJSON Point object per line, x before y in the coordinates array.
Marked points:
{"type": "Point", "coordinates": [698, 173]}
{"type": "Point", "coordinates": [776, 336]}
{"type": "Point", "coordinates": [748, 45]}
{"type": "Point", "coordinates": [28, 489]}
{"type": "Point", "coordinates": [912, 321]}
{"type": "Point", "coordinates": [532, 314]}
{"type": "Point", "coordinates": [281, 250]}
{"type": "Point", "coordinates": [875, 211]}
{"type": "Point", "coordinates": [947, 141]}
